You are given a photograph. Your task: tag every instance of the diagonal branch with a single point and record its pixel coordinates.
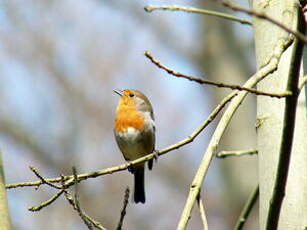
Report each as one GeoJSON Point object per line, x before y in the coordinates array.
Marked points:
{"type": "Point", "coordinates": [196, 184]}
{"type": "Point", "coordinates": [75, 203]}
{"type": "Point", "coordinates": [247, 208]}
{"type": "Point", "coordinates": [261, 15]}
{"type": "Point", "coordinates": [34, 170]}
{"type": "Point", "coordinates": [69, 180]}
{"type": "Point", "coordinates": [46, 203]}
{"type": "Point", "coordinates": [208, 82]}
{"type": "Point", "coordinates": [199, 11]}
{"type": "Point", "coordinates": [123, 212]}
{"type": "Point", "coordinates": [202, 213]}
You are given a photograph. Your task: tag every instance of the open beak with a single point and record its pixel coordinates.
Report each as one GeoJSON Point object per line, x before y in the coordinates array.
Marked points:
{"type": "Point", "coordinates": [119, 92]}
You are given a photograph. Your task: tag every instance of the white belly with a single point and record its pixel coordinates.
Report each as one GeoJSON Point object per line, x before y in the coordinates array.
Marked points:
{"type": "Point", "coordinates": [131, 144]}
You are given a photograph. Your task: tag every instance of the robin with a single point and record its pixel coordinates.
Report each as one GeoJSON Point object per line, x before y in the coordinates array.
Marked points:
{"type": "Point", "coordinates": [134, 132]}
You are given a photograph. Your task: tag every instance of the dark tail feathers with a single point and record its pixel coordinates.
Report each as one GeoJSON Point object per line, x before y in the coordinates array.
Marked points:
{"type": "Point", "coordinates": [139, 188]}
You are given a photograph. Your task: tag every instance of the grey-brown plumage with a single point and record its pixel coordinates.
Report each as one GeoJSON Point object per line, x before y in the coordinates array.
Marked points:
{"type": "Point", "coordinates": [135, 134]}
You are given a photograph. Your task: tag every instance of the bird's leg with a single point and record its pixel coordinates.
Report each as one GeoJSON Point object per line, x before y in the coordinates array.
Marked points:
{"type": "Point", "coordinates": [156, 155]}
{"type": "Point", "coordinates": [150, 162]}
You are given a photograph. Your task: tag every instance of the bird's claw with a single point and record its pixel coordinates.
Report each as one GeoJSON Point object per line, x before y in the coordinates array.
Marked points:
{"type": "Point", "coordinates": [156, 155]}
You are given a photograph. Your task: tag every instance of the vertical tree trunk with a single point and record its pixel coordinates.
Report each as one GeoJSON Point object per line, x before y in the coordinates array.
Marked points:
{"type": "Point", "coordinates": [5, 223]}
{"type": "Point", "coordinates": [270, 120]}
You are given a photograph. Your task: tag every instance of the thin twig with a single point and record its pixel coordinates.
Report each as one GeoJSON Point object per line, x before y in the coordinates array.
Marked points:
{"type": "Point", "coordinates": [248, 206]}
{"type": "Point", "coordinates": [46, 203]}
{"type": "Point", "coordinates": [288, 130]}
{"type": "Point", "coordinates": [74, 202]}
{"type": "Point", "coordinates": [208, 82]}
{"type": "Point", "coordinates": [87, 220]}
{"type": "Point", "coordinates": [199, 11]}
{"type": "Point", "coordinates": [34, 170]}
{"type": "Point", "coordinates": [123, 212]}
{"type": "Point", "coordinates": [224, 154]}
{"type": "Point", "coordinates": [77, 202]}
{"type": "Point", "coordinates": [69, 180]}
{"type": "Point", "coordinates": [261, 15]}
{"type": "Point", "coordinates": [196, 184]}
{"type": "Point", "coordinates": [202, 213]}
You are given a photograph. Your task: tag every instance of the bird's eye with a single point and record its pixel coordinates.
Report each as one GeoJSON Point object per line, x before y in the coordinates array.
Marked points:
{"type": "Point", "coordinates": [131, 95]}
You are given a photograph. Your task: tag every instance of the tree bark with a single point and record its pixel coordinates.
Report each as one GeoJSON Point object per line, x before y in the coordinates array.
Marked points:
{"type": "Point", "coordinates": [270, 117]}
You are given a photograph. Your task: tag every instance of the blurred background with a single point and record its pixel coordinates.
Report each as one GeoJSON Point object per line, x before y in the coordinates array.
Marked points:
{"type": "Point", "coordinates": [60, 61]}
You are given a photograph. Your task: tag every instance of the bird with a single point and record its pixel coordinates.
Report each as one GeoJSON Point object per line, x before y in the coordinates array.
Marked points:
{"type": "Point", "coordinates": [134, 131]}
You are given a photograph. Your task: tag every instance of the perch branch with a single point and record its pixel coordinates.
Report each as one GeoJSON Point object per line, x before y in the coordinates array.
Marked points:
{"type": "Point", "coordinates": [69, 180]}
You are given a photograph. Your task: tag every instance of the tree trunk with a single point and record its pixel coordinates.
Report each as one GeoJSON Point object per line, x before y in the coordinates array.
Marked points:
{"type": "Point", "coordinates": [270, 115]}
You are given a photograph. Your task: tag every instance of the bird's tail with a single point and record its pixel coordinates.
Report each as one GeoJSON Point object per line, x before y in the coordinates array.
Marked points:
{"type": "Point", "coordinates": [139, 188]}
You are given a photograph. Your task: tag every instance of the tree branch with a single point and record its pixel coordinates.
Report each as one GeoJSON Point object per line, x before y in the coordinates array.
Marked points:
{"type": "Point", "coordinates": [43, 180]}
{"type": "Point", "coordinates": [270, 67]}
{"type": "Point", "coordinates": [199, 11]}
{"type": "Point", "coordinates": [251, 201]}
{"type": "Point", "coordinates": [69, 180]}
{"type": "Point", "coordinates": [123, 212]}
{"type": "Point", "coordinates": [297, 34]}
{"type": "Point", "coordinates": [202, 213]}
{"type": "Point", "coordinates": [208, 82]}
{"type": "Point", "coordinates": [46, 203]}
{"type": "Point", "coordinates": [75, 203]}
{"type": "Point", "coordinates": [224, 154]}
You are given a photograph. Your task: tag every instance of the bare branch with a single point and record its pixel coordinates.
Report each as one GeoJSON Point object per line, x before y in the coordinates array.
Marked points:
{"type": "Point", "coordinates": [74, 201]}
{"type": "Point", "coordinates": [46, 203]}
{"type": "Point", "coordinates": [224, 154]}
{"type": "Point", "coordinates": [247, 208]}
{"type": "Point", "coordinates": [261, 15]}
{"type": "Point", "coordinates": [208, 82]}
{"type": "Point", "coordinates": [34, 170]}
{"type": "Point", "coordinates": [202, 213]}
{"type": "Point", "coordinates": [52, 199]}
{"type": "Point", "coordinates": [196, 184]}
{"type": "Point", "coordinates": [69, 180]}
{"type": "Point", "coordinates": [198, 11]}
{"type": "Point", "coordinates": [123, 212]}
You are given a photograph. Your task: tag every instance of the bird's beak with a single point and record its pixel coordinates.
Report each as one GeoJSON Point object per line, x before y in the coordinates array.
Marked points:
{"type": "Point", "coordinates": [119, 92]}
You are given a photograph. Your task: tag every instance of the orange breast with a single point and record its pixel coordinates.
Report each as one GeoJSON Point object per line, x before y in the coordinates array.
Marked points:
{"type": "Point", "coordinates": [128, 117]}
